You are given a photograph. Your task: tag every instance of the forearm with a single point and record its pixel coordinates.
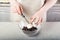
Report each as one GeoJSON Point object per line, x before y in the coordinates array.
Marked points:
{"type": "Point", "coordinates": [48, 5]}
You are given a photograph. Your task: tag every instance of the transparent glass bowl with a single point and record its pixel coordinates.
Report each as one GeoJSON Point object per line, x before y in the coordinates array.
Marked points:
{"type": "Point", "coordinates": [29, 33]}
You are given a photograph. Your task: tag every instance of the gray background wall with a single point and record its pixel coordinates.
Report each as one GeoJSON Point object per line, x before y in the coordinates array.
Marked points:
{"type": "Point", "coordinates": [53, 14]}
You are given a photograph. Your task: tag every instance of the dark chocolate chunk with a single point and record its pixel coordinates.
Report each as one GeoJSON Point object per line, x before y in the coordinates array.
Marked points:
{"type": "Point", "coordinates": [30, 29]}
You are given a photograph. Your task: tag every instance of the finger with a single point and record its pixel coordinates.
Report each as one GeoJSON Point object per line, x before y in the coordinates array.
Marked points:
{"type": "Point", "coordinates": [21, 9]}
{"type": "Point", "coordinates": [32, 19]}
{"type": "Point", "coordinates": [40, 21]}
{"type": "Point", "coordinates": [36, 20]}
{"type": "Point", "coordinates": [18, 10]}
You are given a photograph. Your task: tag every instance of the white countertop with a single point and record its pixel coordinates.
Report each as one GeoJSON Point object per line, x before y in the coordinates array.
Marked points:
{"type": "Point", "coordinates": [10, 30]}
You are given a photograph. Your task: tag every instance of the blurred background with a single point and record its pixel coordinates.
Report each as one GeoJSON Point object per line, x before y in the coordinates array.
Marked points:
{"type": "Point", "coordinates": [53, 14]}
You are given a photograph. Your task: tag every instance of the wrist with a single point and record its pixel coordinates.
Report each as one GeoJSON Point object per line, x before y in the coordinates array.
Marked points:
{"type": "Point", "coordinates": [43, 9]}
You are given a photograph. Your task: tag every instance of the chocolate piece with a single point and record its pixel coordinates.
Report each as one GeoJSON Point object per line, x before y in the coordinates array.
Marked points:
{"type": "Point", "coordinates": [25, 28]}
{"type": "Point", "coordinates": [30, 29]}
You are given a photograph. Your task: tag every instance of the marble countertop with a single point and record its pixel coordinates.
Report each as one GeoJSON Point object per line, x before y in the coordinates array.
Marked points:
{"type": "Point", "coordinates": [11, 30]}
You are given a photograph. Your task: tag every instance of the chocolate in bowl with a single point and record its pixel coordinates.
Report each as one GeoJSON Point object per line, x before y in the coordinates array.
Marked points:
{"type": "Point", "coordinates": [30, 29]}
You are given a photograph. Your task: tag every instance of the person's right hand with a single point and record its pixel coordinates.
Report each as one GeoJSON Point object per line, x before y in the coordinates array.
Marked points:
{"type": "Point", "coordinates": [16, 7]}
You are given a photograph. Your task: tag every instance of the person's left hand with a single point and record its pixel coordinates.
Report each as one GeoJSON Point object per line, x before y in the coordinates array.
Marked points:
{"type": "Point", "coordinates": [37, 18]}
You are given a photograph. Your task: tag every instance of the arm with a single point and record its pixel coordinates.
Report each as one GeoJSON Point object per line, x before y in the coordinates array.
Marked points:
{"type": "Point", "coordinates": [38, 16]}
{"type": "Point", "coordinates": [16, 7]}
{"type": "Point", "coordinates": [48, 4]}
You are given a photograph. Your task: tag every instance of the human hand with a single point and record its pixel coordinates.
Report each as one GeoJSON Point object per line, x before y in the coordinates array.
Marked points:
{"type": "Point", "coordinates": [37, 18]}
{"type": "Point", "coordinates": [16, 7]}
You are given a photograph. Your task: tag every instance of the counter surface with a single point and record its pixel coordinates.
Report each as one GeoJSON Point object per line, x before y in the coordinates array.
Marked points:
{"type": "Point", "coordinates": [11, 30]}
